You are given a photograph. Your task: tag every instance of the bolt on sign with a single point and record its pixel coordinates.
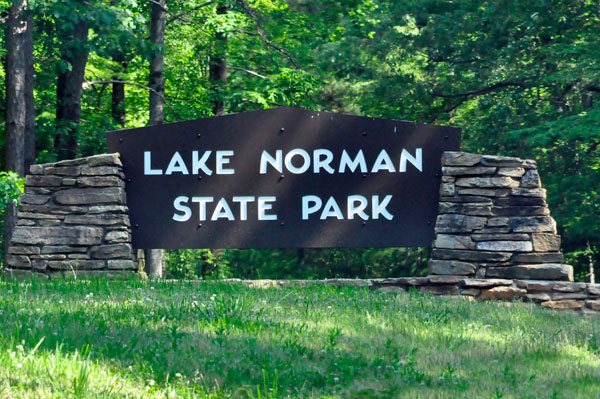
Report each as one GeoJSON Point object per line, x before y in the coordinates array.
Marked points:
{"type": "Point", "coordinates": [283, 178]}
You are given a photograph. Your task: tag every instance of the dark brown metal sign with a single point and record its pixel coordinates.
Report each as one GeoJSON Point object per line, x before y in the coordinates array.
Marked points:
{"type": "Point", "coordinates": [283, 177]}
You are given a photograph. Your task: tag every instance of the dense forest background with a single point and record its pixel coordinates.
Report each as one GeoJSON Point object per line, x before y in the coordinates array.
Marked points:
{"type": "Point", "coordinates": [520, 77]}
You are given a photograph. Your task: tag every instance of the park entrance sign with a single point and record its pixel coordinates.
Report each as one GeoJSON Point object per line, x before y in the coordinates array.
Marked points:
{"type": "Point", "coordinates": [283, 178]}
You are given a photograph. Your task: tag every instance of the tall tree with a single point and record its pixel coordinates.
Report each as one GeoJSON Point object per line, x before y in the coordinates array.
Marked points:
{"type": "Point", "coordinates": [30, 151]}
{"type": "Point", "coordinates": [118, 92]}
{"type": "Point", "coordinates": [118, 87]}
{"type": "Point", "coordinates": [20, 118]}
{"type": "Point", "coordinates": [218, 66]}
{"type": "Point", "coordinates": [16, 76]}
{"type": "Point", "coordinates": [74, 56]}
{"type": "Point", "coordinates": [155, 258]}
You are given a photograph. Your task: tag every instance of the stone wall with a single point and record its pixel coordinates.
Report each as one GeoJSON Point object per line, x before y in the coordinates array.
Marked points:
{"type": "Point", "coordinates": [73, 219]}
{"type": "Point", "coordinates": [494, 221]}
{"type": "Point", "coordinates": [581, 297]}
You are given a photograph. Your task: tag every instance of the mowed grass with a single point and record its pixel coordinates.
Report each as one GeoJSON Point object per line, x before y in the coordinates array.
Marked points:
{"type": "Point", "coordinates": [135, 339]}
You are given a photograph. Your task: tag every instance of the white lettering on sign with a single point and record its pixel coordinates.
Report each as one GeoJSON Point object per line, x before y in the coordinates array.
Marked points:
{"type": "Point", "coordinates": [355, 206]}
{"type": "Point", "coordinates": [416, 161]}
{"type": "Point", "coordinates": [310, 204]}
{"type": "Point", "coordinates": [264, 205]}
{"type": "Point", "coordinates": [331, 210]}
{"type": "Point", "coordinates": [298, 161]}
{"type": "Point", "coordinates": [243, 201]}
{"type": "Point", "coordinates": [223, 160]}
{"type": "Point", "coordinates": [148, 165]}
{"type": "Point", "coordinates": [379, 208]}
{"type": "Point", "coordinates": [222, 209]}
{"type": "Point", "coordinates": [187, 212]}
{"type": "Point", "coordinates": [383, 162]}
{"type": "Point", "coordinates": [276, 162]}
{"type": "Point", "coordinates": [323, 160]}
{"type": "Point", "coordinates": [305, 161]}
{"type": "Point", "coordinates": [177, 164]}
{"type": "Point", "coordinates": [352, 164]}
{"type": "Point", "coordinates": [202, 201]}
{"type": "Point", "coordinates": [200, 163]}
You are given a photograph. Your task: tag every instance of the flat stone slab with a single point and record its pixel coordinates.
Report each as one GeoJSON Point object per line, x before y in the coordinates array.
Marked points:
{"type": "Point", "coordinates": [487, 182]}
{"type": "Point", "coordinates": [470, 256]}
{"type": "Point", "coordinates": [451, 241]}
{"type": "Point", "coordinates": [451, 267]}
{"type": "Point", "coordinates": [533, 224]}
{"type": "Point", "coordinates": [458, 223]}
{"type": "Point", "coordinates": [499, 160]}
{"type": "Point", "coordinates": [457, 158]}
{"type": "Point", "coordinates": [505, 246]}
{"type": "Point", "coordinates": [442, 289]}
{"type": "Point", "coordinates": [531, 179]}
{"type": "Point", "coordinates": [484, 282]}
{"type": "Point", "coordinates": [545, 242]}
{"type": "Point", "coordinates": [565, 304]}
{"type": "Point", "coordinates": [536, 285]}
{"type": "Point", "coordinates": [549, 257]}
{"type": "Point", "coordinates": [470, 209]}
{"type": "Point", "coordinates": [462, 170]}
{"type": "Point", "coordinates": [85, 196]}
{"type": "Point", "coordinates": [529, 192]}
{"type": "Point", "coordinates": [546, 271]}
{"type": "Point", "coordinates": [444, 279]}
{"type": "Point", "coordinates": [502, 292]}
{"type": "Point", "coordinates": [79, 235]}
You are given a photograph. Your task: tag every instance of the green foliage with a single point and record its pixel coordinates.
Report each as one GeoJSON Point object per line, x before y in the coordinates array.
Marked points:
{"type": "Point", "coordinates": [327, 263]}
{"type": "Point", "coordinates": [569, 162]}
{"type": "Point", "coordinates": [11, 188]}
{"type": "Point", "coordinates": [296, 263]}
{"type": "Point", "coordinates": [521, 78]}
{"type": "Point", "coordinates": [116, 339]}
{"type": "Point", "coordinates": [196, 264]}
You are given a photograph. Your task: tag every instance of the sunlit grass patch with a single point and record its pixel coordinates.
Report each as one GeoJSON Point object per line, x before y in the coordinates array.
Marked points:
{"type": "Point", "coordinates": [99, 338]}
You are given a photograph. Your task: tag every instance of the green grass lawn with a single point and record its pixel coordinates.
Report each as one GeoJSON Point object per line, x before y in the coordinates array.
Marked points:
{"type": "Point", "coordinates": [130, 339]}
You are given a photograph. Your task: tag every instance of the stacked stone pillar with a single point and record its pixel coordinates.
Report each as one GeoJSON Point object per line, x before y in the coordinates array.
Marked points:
{"type": "Point", "coordinates": [73, 220]}
{"type": "Point", "coordinates": [494, 221]}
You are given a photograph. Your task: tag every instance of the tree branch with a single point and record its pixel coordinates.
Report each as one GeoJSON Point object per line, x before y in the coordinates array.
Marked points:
{"type": "Point", "coordinates": [592, 88]}
{"type": "Point", "coordinates": [88, 84]}
{"type": "Point", "coordinates": [165, 9]}
{"type": "Point", "coordinates": [181, 14]}
{"type": "Point", "coordinates": [482, 90]}
{"type": "Point", "coordinates": [248, 72]}
{"type": "Point", "coordinates": [180, 17]}
{"type": "Point", "coordinates": [263, 37]}
{"type": "Point", "coordinates": [245, 32]}
{"type": "Point", "coordinates": [451, 61]}
{"type": "Point", "coordinates": [448, 109]}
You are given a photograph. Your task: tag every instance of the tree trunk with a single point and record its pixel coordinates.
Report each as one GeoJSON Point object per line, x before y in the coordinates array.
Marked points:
{"type": "Point", "coordinates": [19, 55]}
{"type": "Point", "coordinates": [217, 75]}
{"type": "Point", "coordinates": [16, 75]}
{"type": "Point", "coordinates": [155, 260]}
{"type": "Point", "coordinates": [218, 68]}
{"type": "Point", "coordinates": [118, 93]}
{"type": "Point", "coordinates": [157, 75]}
{"type": "Point", "coordinates": [69, 89]}
{"type": "Point", "coordinates": [590, 254]}
{"type": "Point", "coordinates": [30, 151]}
